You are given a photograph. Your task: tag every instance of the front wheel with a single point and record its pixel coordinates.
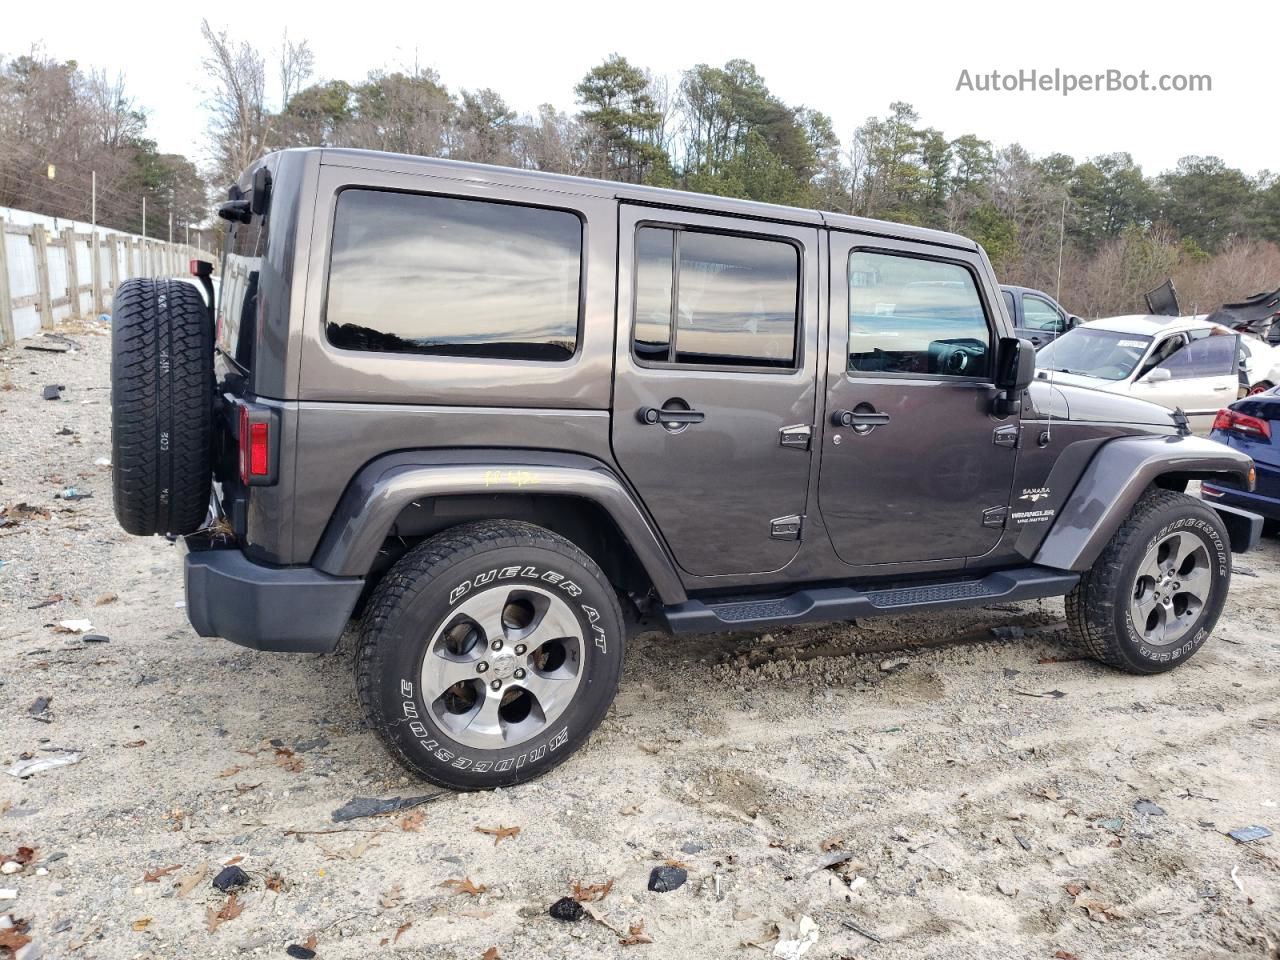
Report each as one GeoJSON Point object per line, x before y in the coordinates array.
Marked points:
{"type": "Point", "coordinates": [1155, 593]}
{"type": "Point", "coordinates": [489, 653]}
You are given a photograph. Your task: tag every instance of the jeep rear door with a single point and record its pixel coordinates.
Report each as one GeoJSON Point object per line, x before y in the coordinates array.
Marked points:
{"type": "Point", "coordinates": [915, 467]}
{"type": "Point", "coordinates": [714, 392]}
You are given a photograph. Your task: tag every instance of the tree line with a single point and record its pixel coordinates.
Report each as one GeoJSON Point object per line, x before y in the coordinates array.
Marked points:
{"type": "Point", "coordinates": [1100, 229]}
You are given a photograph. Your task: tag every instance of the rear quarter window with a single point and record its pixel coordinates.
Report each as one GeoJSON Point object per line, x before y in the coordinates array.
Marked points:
{"type": "Point", "coordinates": [448, 276]}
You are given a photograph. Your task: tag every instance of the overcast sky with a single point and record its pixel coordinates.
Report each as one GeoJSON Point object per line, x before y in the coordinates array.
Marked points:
{"type": "Point", "coordinates": [846, 59]}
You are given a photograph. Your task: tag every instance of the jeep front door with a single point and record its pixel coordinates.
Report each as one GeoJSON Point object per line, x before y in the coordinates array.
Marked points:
{"type": "Point", "coordinates": [714, 392]}
{"type": "Point", "coordinates": [914, 465]}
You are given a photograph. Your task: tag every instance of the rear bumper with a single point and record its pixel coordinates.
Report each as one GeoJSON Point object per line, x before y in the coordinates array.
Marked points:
{"type": "Point", "coordinates": [287, 609]}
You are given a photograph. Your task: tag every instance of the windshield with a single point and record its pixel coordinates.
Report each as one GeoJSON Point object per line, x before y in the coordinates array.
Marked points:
{"type": "Point", "coordinates": [1090, 352]}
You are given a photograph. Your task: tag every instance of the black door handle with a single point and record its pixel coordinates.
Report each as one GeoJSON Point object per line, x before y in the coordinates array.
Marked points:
{"type": "Point", "coordinates": [652, 415]}
{"type": "Point", "coordinates": [849, 418]}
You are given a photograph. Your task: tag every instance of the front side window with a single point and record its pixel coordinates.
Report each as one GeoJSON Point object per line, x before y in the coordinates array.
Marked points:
{"type": "Point", "coordinates": [446, 276]}
{"type": "Point", "coordinates": [1040, 314]}
{"type": "Point", "coordinates": [715, 299]}
{"type": "Point", "coordinates": [917, 317]}
{"type": "Point", "coordinates": [1093, 352]}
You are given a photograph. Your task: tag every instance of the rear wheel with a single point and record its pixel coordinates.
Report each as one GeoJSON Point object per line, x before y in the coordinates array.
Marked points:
{"type": "Point", "coordinates": [489, 654]}
{"type": "Point", "coordinates": [161, 407]}
{"type": "Point", "coordinates": [1155, 593]}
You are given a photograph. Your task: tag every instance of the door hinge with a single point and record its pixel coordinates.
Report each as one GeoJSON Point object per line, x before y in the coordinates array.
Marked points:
{"type": "Point", "coordinates": [995, 516]}
{"type": "Point", "coordinates": [797, 436]}
{"type": "Point", "coordinates": [1007, 435]}
{"type": "Point", "coordinates": [786, 528]}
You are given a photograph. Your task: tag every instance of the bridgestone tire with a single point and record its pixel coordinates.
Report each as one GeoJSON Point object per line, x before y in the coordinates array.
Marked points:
{"type": "Point", "coordinates": [161, 407]}
{"type": "Point", "coordinates": [1100, 608]}
{"type": "Point", "coordinates": [409, 614]}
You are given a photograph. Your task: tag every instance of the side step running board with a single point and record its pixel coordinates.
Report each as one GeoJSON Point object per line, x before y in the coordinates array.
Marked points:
{"type": "Point", "coordinates": [846, 603]}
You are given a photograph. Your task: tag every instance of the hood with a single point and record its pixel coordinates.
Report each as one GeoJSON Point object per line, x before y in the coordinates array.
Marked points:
{"type": "Point", "coordinates": [1070, 398]}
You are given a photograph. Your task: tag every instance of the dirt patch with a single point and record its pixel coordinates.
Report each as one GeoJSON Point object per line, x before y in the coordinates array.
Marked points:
{"type": "Point", "coordinates": [971, 799]}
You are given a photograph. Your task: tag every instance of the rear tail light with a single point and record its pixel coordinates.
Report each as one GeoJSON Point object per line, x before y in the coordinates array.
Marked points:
{"type": "Point", "coordinates": [255, 448]}
{"type": "Point", "coordinates": [1236, 422]}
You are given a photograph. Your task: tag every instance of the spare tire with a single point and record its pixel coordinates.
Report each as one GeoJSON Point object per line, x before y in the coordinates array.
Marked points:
{"type": "Point", "coordinates": [161, 407]}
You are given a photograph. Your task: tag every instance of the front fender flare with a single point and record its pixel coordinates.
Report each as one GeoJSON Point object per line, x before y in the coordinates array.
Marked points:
{"type": "Point", "coordinates": [384, 487]}
{"type": "Point", "coordinates": [1115, 480]}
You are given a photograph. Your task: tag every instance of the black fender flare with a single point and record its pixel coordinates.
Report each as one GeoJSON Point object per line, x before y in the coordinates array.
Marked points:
{"type": "Point", "coordinates": [379, 492]}
{"type": "Point", "coordinates": [1114, 481]}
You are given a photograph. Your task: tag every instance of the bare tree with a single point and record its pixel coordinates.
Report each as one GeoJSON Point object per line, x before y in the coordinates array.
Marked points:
{"type": "Point", "coordinates": [238, 123]}
{"type": "Point", "coordinates": [297, 64]}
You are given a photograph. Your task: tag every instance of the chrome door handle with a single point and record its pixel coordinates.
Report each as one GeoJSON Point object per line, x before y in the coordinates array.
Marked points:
{"type": "Point", "coordinates": [849, 418]}
{"type": "Point", "coordinates": [652, 415]}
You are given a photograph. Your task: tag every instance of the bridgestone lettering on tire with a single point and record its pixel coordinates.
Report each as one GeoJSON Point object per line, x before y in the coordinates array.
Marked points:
{"type": "Point", "coordinates": [161, 407]}
{"type": "Point", "coordinates": [1155, 593]}
{"type": "Point", "coordinates": [488, 654]}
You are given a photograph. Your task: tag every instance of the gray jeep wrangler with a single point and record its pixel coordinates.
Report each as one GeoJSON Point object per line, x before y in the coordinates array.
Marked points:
{"type": "Point", "coordinates": [488, 410]}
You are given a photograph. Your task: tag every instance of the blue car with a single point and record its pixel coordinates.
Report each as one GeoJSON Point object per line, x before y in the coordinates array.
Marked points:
{"type": "Point", "coordinates": [1252, 426]}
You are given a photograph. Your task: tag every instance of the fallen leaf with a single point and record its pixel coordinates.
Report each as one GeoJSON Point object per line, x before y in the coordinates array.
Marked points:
{"type": "Point", "coordinates": [141, 924]}
{"type": "Point", "coordinates": [465, 886]}
{"type": "Point", "coordinates": [499, 833]}
{"type": "Point", "coordinates": [106, 598]}
{"type": "Point", "coordinates": [1074, 889]}
{"type": "Point", "coordinates": [153, 876]}
{"type": "Point", "coordinates": [310, 942]}
{"type": "Point", "coordinates": [14, 939]}
{"type": "Point", "coordinates": [134, 744]}
{"type": "Point", "coordinates": [676, 863]}
{"type": "Point", "coordinates": [491, 954]}
{"type": "Point", "coordinates": [592, 891]}
{"type": "Point", "coordinates": [636, 935]}
{"type": "Point", "coordinates": [401, 929]}
{"type": "Point", "coordinates": [233, 861]}
{"type": "Point", "coordinates": [1064, 955]}
{"type": "Point", "coordinates": [229, 772]}
{"type": "Point", "coordinates": [230, 910]}
{"type": "Point", "coordinates": [392, 899]}
{"type": "Point", "coordinates": [412, 822]}
{"type": "Point", "coordinates": [287, 759]}
{"type": "Point", "coordinates": [23, 856]}
{"type": "Point", "coordinates": [275, 883]}
{"type": "Point", "coordinates": [192, 880]}
{"type": "Point", "coordinates": [243, 788]}
{"type": "Point", "coordinates": [831, 843]}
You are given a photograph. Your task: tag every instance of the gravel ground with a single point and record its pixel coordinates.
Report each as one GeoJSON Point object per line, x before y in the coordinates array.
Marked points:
{"type": "Point", "coordinates": [985, 794]}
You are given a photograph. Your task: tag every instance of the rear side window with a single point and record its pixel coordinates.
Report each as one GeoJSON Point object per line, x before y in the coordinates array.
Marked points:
{"type": "Point", "coordinates": [246, 244]}
{"type": "Point", "coordinates": [715, 299]}
{"type": "Point", "coordinates": [1208, 356]}
{"type": "Point", "coordinates": [917, 317]}
{"type": "Point", "coordinates": [445, 276]}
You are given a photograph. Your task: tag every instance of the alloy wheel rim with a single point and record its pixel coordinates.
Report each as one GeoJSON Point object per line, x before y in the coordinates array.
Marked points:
{"type": "Point", "coordinates": [503, 666]}
{"type": "Point", "coordinates": [1172, 587]}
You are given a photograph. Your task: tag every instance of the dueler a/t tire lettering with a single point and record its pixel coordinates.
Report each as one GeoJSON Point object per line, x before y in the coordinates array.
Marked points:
{"type": "Point", "coordinates": [428, 589]}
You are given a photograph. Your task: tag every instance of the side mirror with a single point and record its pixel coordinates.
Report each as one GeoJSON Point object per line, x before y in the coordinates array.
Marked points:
{"type": "Point", "coordinates": [1158, 375]}
{"type": "Point", "coordinates": [1015, 369]}
{"type": "Point", "coordinates": [1073, 321]}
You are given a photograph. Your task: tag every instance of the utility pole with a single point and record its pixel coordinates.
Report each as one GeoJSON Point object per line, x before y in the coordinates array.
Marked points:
{"type": "Point", "coordinates": [93, 203]}
{"type": "Point", "coordinates": [1062, 233]}
{"type": "Point", "coordinates": [171, 226]}
{"type": "Point", "coordinates": [144, 217]}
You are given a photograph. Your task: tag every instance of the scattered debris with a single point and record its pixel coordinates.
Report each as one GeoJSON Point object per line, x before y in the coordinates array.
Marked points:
{"type": "Point", "coordinates": [13, 937]}
{"type": "Point", "coordinates": [499, 833]}
{"type": "Point", "coordinates": [73, 626]}
{"type": "Point", "coordinates": [793, 948]}
{"type": "Point", "coordinates": [567, 909]}
{"type": "Point", "coordinates": [96, 638]}
{"type": "Point", "coordinates": [592, 892]}
{"type": "Point", "coordinates": [1249, 834]}
{"type": "Point", "coordinates": [191, 881]}
{"type": "Point", "coordinates": [316, 743]}
{"type": "Point", "coordinates": [1008, 633]}
{"type": "Point", "coordinates": [231, 878]}
{"type": "Point", "coordinates": [72, 493]}
{"type": "Point", "coordinates": [154, 876]}
{"type": "Point", "coordinates": [299, 952]}
{"type": "Point", "coordinates": [1052, 694]}
{"type": "Point", "coordinates": [635, 935]}
{"type": "Point", "coordinates": [666, 878]}
{"type": "Point", "coordinates": [53, 392]}
{"type": "Point", "coordinates": [1007, 888]}
{"type": "Point", "coordinates": [26, 768]}
{"type": "Point", "coordinates": [893, 666]}
{"type": "Point", "coordinates": [861, 931]}
{"type": "Point", "coordinates": [40, 706]}
{"type": "Point", "coordinates": [48, 346]}
{"type": "Point", "coordinates": [1149, 808]}
{"type": "Point", "coordinates": [465, 886]}
{"type": "Point", "coordinates": [375, 807]}
{"type": "Point", "coordinates": [412, 822]}
{"type": "Point", "coordinates": [229, 911]}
